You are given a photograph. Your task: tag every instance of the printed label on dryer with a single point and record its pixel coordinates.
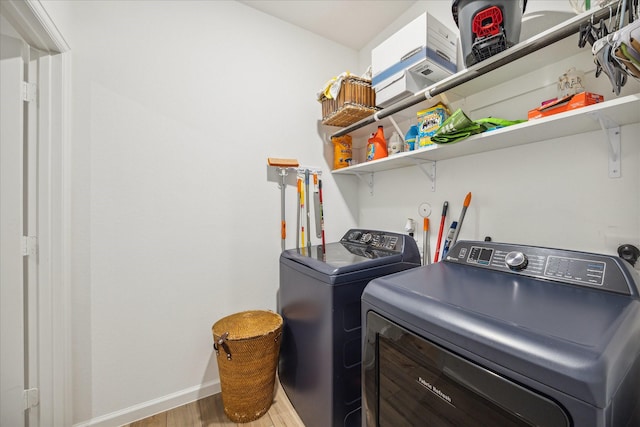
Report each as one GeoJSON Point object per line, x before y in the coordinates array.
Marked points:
{"type": "Point", "coordinates": [433, 389]}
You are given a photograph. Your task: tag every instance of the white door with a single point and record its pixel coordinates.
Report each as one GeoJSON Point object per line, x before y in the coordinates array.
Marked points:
{"type": "Point", "coordinates": [12, 301]}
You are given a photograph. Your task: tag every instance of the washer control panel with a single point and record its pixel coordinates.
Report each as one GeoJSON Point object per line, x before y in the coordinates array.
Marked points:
{"type": "Point", "coordinates": [571, 267]}
{"type": "Point", "coordinates": [374, 239]}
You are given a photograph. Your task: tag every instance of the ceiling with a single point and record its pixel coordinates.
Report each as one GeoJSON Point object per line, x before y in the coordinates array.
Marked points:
{"type": "Point", "coordinates": [354, 23]}
{"type": "Point", "coordinates": [351, 23]}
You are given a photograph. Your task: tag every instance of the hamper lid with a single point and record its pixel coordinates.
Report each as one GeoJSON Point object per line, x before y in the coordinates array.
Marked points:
{"type": "Point", "coordinates": [247, 324]}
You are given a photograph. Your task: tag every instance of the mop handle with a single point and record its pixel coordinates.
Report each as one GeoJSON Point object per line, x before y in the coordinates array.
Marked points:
{"type": "Point", "coordinates": [321, 215]}
{"type": "Point", "coordinates": [465, 205]}
{"type": "Point", "coordinates": [299, 211]}
{"type": "Point", "coordinates": [442, 221]}
{"type": "Point", "coordinates": [306, 184]}
{"type": "Point", "coordinates": [283, 221]}
{"type": "Point", "coordinates": [426, 250]}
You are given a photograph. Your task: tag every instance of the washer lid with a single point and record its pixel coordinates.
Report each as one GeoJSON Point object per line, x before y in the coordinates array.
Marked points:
{"type": "Point", "coordinates": [340, 258]}
{"type": "Point", "coordinates": [358, 250]}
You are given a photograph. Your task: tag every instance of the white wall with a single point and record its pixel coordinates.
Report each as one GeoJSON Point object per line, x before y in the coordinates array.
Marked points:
{"type": "Point", "coordinates": [176, 106]}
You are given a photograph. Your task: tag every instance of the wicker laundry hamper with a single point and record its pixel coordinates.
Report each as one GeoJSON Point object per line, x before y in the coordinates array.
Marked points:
{"type": "Point", "coordinates": [247, 345]}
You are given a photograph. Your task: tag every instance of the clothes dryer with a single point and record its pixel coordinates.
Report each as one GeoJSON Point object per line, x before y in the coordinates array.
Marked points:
{"type": "Point", "coordinates": [504, 335]}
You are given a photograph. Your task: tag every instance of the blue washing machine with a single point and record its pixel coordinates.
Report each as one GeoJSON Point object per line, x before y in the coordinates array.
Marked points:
{"type": "Point", "coordinates": [319, 300]}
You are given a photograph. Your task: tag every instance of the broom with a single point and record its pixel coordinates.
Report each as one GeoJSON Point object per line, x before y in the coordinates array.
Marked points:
{"type": "Point", "coordinates": [282, 166]}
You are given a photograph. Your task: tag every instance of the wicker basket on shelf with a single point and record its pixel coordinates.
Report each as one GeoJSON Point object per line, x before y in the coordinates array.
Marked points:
{"type": "Point", "coordinates": [356, 100]}
{"type": "Point", "coordinates": [247, 346]}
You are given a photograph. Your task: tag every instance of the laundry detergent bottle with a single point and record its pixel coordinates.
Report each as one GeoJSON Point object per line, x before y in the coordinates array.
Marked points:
{"type": "Point", "coordinates": [377, 146]}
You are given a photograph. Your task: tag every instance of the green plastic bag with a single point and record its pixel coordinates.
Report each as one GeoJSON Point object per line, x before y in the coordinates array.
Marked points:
{"type": "Point", "coordinates": [458, 126]}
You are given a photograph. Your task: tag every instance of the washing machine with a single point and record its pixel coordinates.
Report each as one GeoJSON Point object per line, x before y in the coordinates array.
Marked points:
{"type": "Point", "coordinates": [504, 335]}
{"type": "Point", "coordinates": [319, 300]}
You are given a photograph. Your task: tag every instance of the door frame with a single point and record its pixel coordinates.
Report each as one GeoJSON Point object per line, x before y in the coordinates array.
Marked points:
{"type": "Point", "coordinates": [12, 224]}
{"type": "Point", "coordinates": [36, 27]}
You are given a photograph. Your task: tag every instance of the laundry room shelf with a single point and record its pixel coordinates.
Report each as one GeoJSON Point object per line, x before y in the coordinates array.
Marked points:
{"type": "Point", "coordinates": [617, 112]}
{"type": "Point", "coordinates": [547, 47]}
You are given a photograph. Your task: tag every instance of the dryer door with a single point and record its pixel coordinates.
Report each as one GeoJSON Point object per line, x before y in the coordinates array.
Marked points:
{"type": "Point", "coordinates": [410, 381]}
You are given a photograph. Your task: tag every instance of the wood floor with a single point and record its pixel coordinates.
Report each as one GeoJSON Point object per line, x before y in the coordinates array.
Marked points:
{"type": "Point", "coordinates": [208, 412]}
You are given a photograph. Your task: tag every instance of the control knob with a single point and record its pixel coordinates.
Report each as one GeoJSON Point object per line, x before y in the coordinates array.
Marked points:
{"type": "Point", "coordinates": [516, 260]}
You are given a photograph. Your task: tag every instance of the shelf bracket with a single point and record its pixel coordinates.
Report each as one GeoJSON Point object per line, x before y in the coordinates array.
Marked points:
{"type": "Point", "coordinates": [612, 133]}
{"type": "Point", "coordinates": [368, 183]}
{"type": "Point", "coordinates": [429, 169]}
{"type": "Point", "coordinates": [397, 128]}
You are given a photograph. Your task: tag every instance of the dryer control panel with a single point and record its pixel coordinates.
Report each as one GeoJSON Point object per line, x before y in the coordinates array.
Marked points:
{"type": "Point", "coordinates": [571, 267]}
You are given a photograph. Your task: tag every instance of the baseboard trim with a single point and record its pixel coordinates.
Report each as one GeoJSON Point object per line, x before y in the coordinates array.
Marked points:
{"type": "Point", "coordinates": [152, 407]}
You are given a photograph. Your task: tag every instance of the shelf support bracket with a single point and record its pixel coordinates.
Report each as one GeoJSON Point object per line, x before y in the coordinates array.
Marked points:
{"type": "Point", "coordinates": [612, 133]}
{"type": "Point", "coordinates": [367, 183]}
{"type": "Point", "coordinates": [397, 128]}
{"type": "Point", "coordinates": [429, 169]}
